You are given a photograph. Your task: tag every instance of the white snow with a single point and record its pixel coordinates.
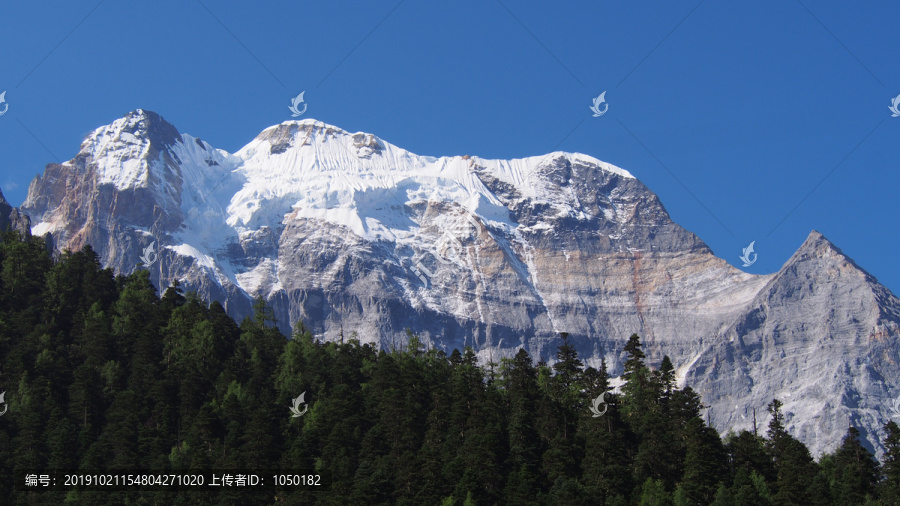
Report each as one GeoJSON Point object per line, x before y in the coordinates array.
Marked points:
{"type": "Point", "coordinates": [121, 157]}
{"type": "Point", "coordinates": [41, 228]}
{"type": "Point", "coordinates": [262, 280]}
{"type": "Point", "coordinates": [308, 169]}
{"type": "Point", "coordinates": [325, 173]}
{"type": "Point", "coordinates": [189, 251]}
{"type": "Point", "coordinates": [681, 372]}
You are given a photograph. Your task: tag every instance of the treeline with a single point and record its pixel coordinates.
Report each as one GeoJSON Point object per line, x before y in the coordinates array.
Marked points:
{"type": "Point", "coordinates": [101, 373]}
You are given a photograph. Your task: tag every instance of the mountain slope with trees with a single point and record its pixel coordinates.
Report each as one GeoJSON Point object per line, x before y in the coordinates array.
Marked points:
{"type": "Point", "coordinates": [101, 373]}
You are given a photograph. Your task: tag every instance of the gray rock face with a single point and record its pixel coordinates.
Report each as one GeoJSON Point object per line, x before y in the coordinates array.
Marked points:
{"type": "Point", "coordinates": [349, 233]}
{"type": "Point", "coordinates": [12, 219]}
{"type": "Point", "coordinates": [821, 335]}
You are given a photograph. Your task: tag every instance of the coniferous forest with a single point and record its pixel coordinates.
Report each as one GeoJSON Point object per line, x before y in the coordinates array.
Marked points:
{"type": "Point", "coordinates": [101, 373]}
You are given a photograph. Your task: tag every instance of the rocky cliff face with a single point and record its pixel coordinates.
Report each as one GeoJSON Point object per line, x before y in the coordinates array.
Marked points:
{"type": "Point", "coordinates": [12, 219]}
{"type": "Point", "coordinates": [821, 335]}
{"type": "Point", "coordinates": [347, 232]}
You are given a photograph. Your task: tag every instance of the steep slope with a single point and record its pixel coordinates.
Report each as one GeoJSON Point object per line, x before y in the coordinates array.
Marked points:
{"type": "Point", "coordinates": [822, 337]}
{"type": "Point", "coordinates": [345, 231]}
{"type": "Point", "coordinates": [137, 184]}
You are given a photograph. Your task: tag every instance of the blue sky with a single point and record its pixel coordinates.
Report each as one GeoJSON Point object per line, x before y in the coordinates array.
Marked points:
{"type": "Point", "coordinates": [752, 121]}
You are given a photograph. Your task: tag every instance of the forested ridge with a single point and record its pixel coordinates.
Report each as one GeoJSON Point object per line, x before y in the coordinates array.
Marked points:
{"type": "Point", "coordinates": [101, 373]}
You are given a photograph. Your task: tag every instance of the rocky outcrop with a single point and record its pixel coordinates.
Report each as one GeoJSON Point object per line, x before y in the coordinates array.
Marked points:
{"type": "Point", "coordinates": [12, 219]}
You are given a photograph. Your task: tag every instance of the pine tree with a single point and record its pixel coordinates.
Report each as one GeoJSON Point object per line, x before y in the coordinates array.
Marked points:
{"type": "Point", "coordinates": [890, 487]}
{"type": "Point", "coordinates": [704, 464]}
{"type": "Point", "coordinates": [522, 396]}
{"type": "Point", "coordinates": [667, 378]}
{"type": "Point", "coordinates": [568, 370]}
{"type": "Point", "coordinates": [563, 452]}
{"type": "Point", "coordinates": [794, 467]}
{"type": "Point", "coordinates": [747, 452]}
{"type": "Point", "coordinates": [640, 395]}
{"type": "Point", "coordinates": [608, 451]}
{"type": "Point", "coordinates": [655, 415]}
{"type": "Point", "coordinates": [635, 360]}
{"type": "Point", "coordinates": [749, 488]}
{"type": "Point", "coordinates": [435, 452]}
{"type": "Point", "coordinates": [854, 471]}
{"type": "Point", "coordinates": [653, 493]}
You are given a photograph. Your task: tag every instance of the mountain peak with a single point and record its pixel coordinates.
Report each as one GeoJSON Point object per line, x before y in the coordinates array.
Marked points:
{"type": "Point", "coordinates": [141, 124]}
{"type": "Point", "coordinates": [310, 132]}
{"type": "Point", "coordinates": [124, 151]}
{"type": "Point", "coordinates": [817, 245]}
{"type": "Point", "coordinates": [819, 263]}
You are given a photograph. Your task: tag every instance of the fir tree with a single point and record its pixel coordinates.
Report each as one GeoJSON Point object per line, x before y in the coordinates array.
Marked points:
{"type": "Point", "coordinates": [854, 471]}
{"type": "Point", "coordinates": [635, 357]}
{"type": "Point", "coordinates": [653, 493]}
{"type": "Point", "coordinates": [607, 463]}
{"type": "Point", "coordinates": [747, 452]}
{"type": "Point", "coordinates": [704, 463]}
{"type": "Point", "coordinates": [523, 394]}
{"type": "Point", "coordinates": [890, 487]}
{"type": "Point", "coordinates": [794, 467]}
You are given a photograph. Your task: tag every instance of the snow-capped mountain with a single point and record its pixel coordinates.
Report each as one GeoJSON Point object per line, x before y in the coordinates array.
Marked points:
{"type": "Point", "coordinates": [349, 233]}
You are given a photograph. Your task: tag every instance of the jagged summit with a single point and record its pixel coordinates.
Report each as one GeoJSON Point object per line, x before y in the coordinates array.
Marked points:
{"type": "Point", "coordinates": [817, 245]}
{"type": "Point", "coordinates": [347, 231]}
{"type": "Point", "coordinates": [125, 150]}
{"type": "Point", "coordinates": [141, 123]}
{"type": "Point", "coordinates": [817, 249]}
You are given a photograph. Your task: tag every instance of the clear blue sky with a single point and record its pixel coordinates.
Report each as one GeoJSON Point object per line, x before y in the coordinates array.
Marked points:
{"type": "Point", "coordinates": [732, 112]}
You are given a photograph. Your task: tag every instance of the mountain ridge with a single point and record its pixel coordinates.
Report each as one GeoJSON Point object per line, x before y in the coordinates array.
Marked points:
{"type": "Point", "coordinates": [341, 229]}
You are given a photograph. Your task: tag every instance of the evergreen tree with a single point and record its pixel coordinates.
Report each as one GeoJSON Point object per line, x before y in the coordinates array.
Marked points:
{"type": "Point", "coordinates": [666, 378]}
{"type": "Point", "coordinates": [749, 488]}
{"type": "Point", "coordinates": [653, 493]}
{"type": "Point", "coordinates": [635, 357]}
{"type": "Point", "coordinates": [854, 471]}
{"type": "Point", "coordinates": [704, 465]}
{"type": "Point", "coordinates": [563, 453]}
{"type": "Point", "coordinates": [655, 415]}
{"type": "Point", "coordinates": [519, 378]}
{"type": "Point", "coordinates": [890, 487]}
{"type": "Point", "coordinates": [747, 452]}
{"type": "Point", "coordinates": [607, 463]}
{"type": "Point", "coordinates": [794, 467]}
